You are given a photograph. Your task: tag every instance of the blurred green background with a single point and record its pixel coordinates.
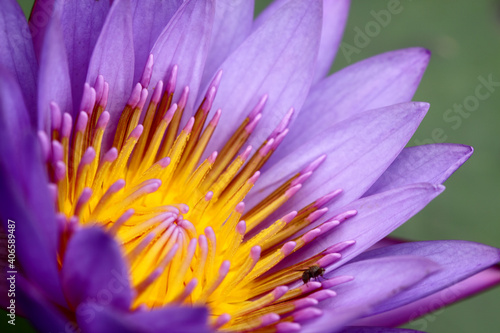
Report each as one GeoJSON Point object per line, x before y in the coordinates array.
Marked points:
{"type": "Point", "coordinates": [464, 37]}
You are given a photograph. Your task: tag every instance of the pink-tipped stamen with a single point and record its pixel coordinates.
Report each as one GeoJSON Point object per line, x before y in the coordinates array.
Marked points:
{"type": "Point", "coordinates": [44, 141]}
{"type": "Point", "coordinates": [283, 124]}
{"type": "Point", "coordinates": [267, 148]}
{"type": "Point", "coordinates": [339, 246]}
{"type": "Point", "coordinates": [269, 319]}
{"type": "Point", "coordinates": [288, 248]}
{"type": "Point", "coordinates": [316, 215]}
{"type": "Point", "coordinates": [314, 164]}
{"type": "Point", "coordinates": [327, 198]}
{"type": "Point", "coordinates": [82, 121]}
{"type": "Point", "coordinates": [158, 90]}
{"type": "Point", "coordinates": [143, 285]}
{"type": "Point", "coordinates": [88, 99]}
{"type": "Point", "coordinates": [103, 102]}
{"type": "Point", "coordinates": [183, 99]}
{"type": "Point", "coordinates": [323, 294]}
{"type": "Point", "coordinates": [147, 72]}
{"type": "Point", "coordinates": [209, 196]}
{"type": "Point", "coordinates": [135, 95]}
{"type": "Point", "coordinates": [55, 116]}
{"type": "Point", "coordinates": [289, 217]}
{"type": "Point", "coordinates": [292, 190]}
{"type": "Point", "coordinates": [189, 126]}
{"type": "Point", "coordinates": [221, 320]}
{"type": "Point", "coordinates": [329, 259]}
{"type": "Point", "coordinates": [172, 81]}
{"type": "Point", "coordinates": [241, 228]}
{"type": "Point", "coordinates": [240, 208]}
{"type": "Point", "coordinates": [244, 156]}
{"type": "Point", "coordinates": [335, 281]}
{"type": "Point", "coordinates": [82, 200]}
{"type": "Point", "coordinates": [59, 171]}
{"type": "Point", "coordinates": [188, 289]}
{"type": "Point", "coordinates": [142, 100]}
{"type": "Point", "coordinates": [99, 87]}
{"type": "Point", "coordinates": [253, 123]}
{"type": "Point", "coordinates": [306, 314]}
{"type": "Point", "coordinates": [259, 107]}
{"type": "Point", "coordinates": [305, 302]}
{"type": "Point", "coordinates": [254, 178]}
{"type": "Point", "coordinates": [286, 327]}
{"type": "Point", "coordinates": [103, 120]}
{"type": "Point", "coordinates": [209, 99]}
{"type": "Point", "coordinates": [215, 120]}
{"type": "Point", "coordinates": [345, 215]}
{"type": "Point", "coordinates": [279, 139]}
{"type": "Point", "coordinates": [66, 126]}
{"type": "Point", "coordinates": [121, 221]}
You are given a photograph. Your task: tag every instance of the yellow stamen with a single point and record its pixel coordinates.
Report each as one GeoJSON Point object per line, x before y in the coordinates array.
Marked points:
{"type": "Point", "coordinates": [181, 223]}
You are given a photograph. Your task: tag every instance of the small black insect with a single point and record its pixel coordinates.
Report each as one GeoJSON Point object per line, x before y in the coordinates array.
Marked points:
{"type": "Point", "coordinates": [312, 272]}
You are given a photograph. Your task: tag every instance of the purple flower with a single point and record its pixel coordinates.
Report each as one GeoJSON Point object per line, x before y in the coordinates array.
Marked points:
{"type": "Point", "coordinates": [176, 166]}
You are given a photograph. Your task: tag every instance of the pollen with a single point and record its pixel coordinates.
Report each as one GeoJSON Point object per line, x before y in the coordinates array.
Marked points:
{"type": "Point", "coordinates": [179, 212]}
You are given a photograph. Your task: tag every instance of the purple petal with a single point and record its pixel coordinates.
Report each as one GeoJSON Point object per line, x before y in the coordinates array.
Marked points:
{"type": "Point", "coordinates": [429, 163]}
{"type": "Point", "coordinates": [268, 13]}
{"type": "Point", "coordinates": [458, 259]}
{"type": "Point", "coordinates": [411, 312]}
{"type": "Point", "coordinates": [13, 114]}
{"type": "Point", "coordinates": [335, 14]}
{"type": "Point", "coordinates": [23, 189]}
{"type": "Point", "coordinates": [113, 58]}
{"type": "Point", "coordinates": [41, 313]}
{"type": "Point", "coordinates": [174, 319]}
{"type": "Point", "coordinates": [383, 80]}
{"type": "Point", "coordinates": [27, 202]}
{"type": "Point", "coordinates": [374, 281]}
{"type": "Point", "coordinates": [184, 42]}
{"type": "Point", "coordinates": [149, 20]}
{"type": "Point", "coordinates": [354, 162]}
{"type": "Point", "coordinates": [94, 270]}
{"type": "Point", "coordinates": [39, 22]}
{"type": "Point", "coordinates": [94, 318]}
{"type": "Point", "coordinates": [232, 24]}
{"type": "Point", "coordinates": [377, 216]}
{"type": "Point", "coordinates": [81, 22]}
{"type": "Point", "coordinates": [362, 329]}
{"type": "Point", "coordinates": [16, 54]}
{"type": "Point", "coordinates": [54, 83]}
{"type": "Point", "coordinates": [277, 59]}
{"type": "Point", "coordinates": [386, 241]}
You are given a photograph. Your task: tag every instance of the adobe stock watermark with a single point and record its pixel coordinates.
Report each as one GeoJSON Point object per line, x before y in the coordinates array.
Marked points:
{"type": "Point", "coordinates": [434, 307]}
{"type": "Point", "coordinates": [471, 103]}
{"type": "Point", "coordinates": [41, 18]}
{"type": "Point", "coordinates": [38, 21]}
{"type": "Point", "coordinates": [11, 272]}
{"type": "Point", "coordinates": [364, 36]}
{"type": "Point", "coordinates": [455, 115]}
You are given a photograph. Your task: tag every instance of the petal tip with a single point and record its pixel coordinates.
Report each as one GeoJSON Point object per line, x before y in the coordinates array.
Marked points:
{"type": "Point", "coordinates": [439, 187]}
{"type": "Point", "coordinates": [422, 106]}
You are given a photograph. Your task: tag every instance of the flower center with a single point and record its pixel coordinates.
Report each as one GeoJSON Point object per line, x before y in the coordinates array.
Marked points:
{"type": "Point", "coordinates": [182, 223]}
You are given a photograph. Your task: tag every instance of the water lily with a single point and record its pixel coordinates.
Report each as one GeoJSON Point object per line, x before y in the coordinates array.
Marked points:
{"type": "Point", "coordinates": [177, 166]}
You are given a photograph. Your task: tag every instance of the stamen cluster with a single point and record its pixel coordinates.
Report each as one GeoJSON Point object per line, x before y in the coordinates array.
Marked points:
{"type": "Point", "coordinates": [182, 223]}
